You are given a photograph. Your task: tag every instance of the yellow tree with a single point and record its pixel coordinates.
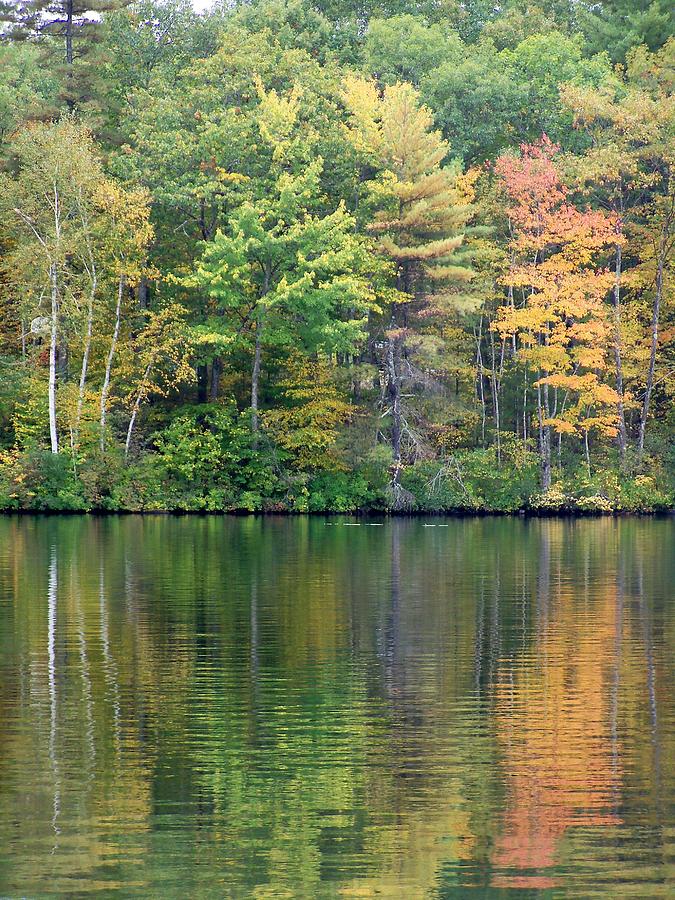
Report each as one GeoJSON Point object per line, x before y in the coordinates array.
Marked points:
{"type": "Point", "coordinates": [630, 165]}
{"type": "Point", "coordinates": [562, 324]}
{"type": "Point", "coordinates": [128, 232]}
{"type": "Point", "coordinates": [48, 205]}
{"type": "Point", "coordinates": [159, 361]}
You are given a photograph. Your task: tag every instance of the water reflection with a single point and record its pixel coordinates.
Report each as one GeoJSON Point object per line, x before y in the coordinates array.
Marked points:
{"type": "Point", "coordinates": [294, 708]}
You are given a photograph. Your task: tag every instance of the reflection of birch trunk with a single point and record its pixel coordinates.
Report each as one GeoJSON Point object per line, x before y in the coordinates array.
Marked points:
{"type": "Point", "coordinates": [109, 667]}
{"type": "Point", "coordinates": [543, 581]}
{"type": "Point", "coordinates": [478, 643]}
{"type": "Point", "coordinates": [495, 632]}
{"type": "Point", "coordinates": [648, 639]}
{"type": "Point", "coordinates": [85, 674]}
{"type": "Point", "coordinates": [394, 624]}
{"type": "Point", "coordinates": [254, 628]}
{"type": "Point", "coordinates": [52, 596]}
{"type": "Point", "coordinates": [616, 683]}
{"type": "Point", "coordinates": [105, 390]}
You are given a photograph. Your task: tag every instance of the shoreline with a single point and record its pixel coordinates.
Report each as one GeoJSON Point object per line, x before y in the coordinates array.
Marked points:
{"type": "Point", "coordinates": [561, 513]}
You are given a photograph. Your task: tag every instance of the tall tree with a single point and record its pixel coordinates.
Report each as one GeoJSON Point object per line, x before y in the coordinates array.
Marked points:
{"type": "Point", "coordinates": [68, 32]}
{"type": "Point", "coordinates": [419, 216]}
{"type": "Point", "coordinates": [561, 321]}
{"type": "Point", "coordinates": [630, 166]}
{"type": "Point", "coordinates": [283, 273]}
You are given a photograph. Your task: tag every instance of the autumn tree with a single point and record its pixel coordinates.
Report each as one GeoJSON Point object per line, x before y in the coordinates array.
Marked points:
{"type": "Point", "coordinates": [306, 427]}
{"type": "Point", "coordinates": [49, 202]}
{"type": "Point", "coordinates": [630, 167]}
{"type": "Point", "coordinates": [158, 361]}
{"type": "Point", "coordinates": [560, 322]}
{"type": "Point", "coordinates": [78, 241]}
{"type": "Point", "coordinates": [128, 232]}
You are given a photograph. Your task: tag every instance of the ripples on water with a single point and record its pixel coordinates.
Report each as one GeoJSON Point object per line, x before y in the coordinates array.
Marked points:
{"type": "Point", "coordinates": [218, 707]}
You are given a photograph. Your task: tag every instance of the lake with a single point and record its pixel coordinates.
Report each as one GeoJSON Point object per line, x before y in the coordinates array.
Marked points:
{"type": "Point", "coordinates": [308, 708]}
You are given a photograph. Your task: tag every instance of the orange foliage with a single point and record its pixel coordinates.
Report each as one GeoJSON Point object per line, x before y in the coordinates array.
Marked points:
{"type": "Point", "coordinates": [554, 727]}
{"type": "Point", "coordinates": [561, 323]}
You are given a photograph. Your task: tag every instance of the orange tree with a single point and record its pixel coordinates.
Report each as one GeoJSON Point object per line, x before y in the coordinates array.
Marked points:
{"type": "Point", "coordinates": [560, 324]}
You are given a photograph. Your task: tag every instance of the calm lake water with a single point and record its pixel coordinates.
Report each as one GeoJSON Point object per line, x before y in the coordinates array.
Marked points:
{"type": "Point", "coordinates": [300, 708]}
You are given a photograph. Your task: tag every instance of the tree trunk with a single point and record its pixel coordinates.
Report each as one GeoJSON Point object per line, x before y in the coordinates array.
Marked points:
{"type": "Point", "coordinates": [202, 382]}
{"type": "Point", "coordinates": [544, 444]}
{"type": "Point", "coordinates": [495, 399]}
{"type": "Point", "coordinates": [134, 412]}
{"type": "Point", "coordinates": [479, 379]}
{"type": "Point", "coordinates": [394, 392]}
{"type": "Point", "coordinates": [525, 405]}
{"type": "Point", "coordinates": [587, 452]}
{"type": "Point", "coordinates": [257, 355]}
{"type": "Point", "coordinates": [654, 343]}
{"type": "Point", "coordinates": [69, 32]}
{"type": "Point", "coordinates": [85, 362]}
{"type": "Point", "coordinates": [216, 371]}
{"type": "Point", "coordinates": [618, 362]}
{"type": "Point", "coordinates": [255, 378]}
{"type": "Point", "coordinates": [142, 293]}
{"type": "Point", "coordinates": [53, 434]}
{"type": "Point", "coordinates": [108, 364]}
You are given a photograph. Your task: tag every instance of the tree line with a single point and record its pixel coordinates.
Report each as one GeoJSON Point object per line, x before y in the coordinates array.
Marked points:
{"type": "Point", "coordinates": [306, 256]}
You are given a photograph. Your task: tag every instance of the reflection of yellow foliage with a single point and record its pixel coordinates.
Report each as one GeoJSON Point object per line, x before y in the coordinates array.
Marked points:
{"type": "Point", "coordinates": [553, 720]}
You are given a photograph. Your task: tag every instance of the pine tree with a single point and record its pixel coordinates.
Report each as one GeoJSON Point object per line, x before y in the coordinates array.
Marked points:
{"type": "Point", "coordinates": [420, 215]}
{"type": "Point", "coordinates": [69, 33]}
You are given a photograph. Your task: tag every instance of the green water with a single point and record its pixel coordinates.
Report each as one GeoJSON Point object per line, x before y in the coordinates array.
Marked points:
{"type": "Point", "coordinates": [299, 708]}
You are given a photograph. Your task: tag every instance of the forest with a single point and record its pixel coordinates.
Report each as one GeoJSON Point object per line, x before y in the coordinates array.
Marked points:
{"type": "Point", "coordinates": [337, 255]}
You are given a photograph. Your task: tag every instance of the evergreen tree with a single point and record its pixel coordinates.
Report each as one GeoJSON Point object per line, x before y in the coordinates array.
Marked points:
{"type": "Point", "coordinates": [419, 219]}
{"type": "Point", "coordinates": [68, 33]}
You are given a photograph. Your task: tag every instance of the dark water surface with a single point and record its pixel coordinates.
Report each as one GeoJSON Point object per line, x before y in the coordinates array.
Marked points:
{"type": "Point", "coordinates": [293, 708]}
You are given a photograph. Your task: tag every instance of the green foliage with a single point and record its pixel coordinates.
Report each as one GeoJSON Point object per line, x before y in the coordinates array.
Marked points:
{"type": "Point", "coordinates": [339, 492]}
{"type": "Point", "coordinates": [473, 480]}
{"type": "Point", "coordinates": [269, 257]}
{"type": "Point", "coordinates": [40, 480]}
{"type": "Point", "coordinates": [405, 48]}
{"type": "Point", "coordinates": [486, 100]}
{"type": "Point", "coordinates": [207, 460]}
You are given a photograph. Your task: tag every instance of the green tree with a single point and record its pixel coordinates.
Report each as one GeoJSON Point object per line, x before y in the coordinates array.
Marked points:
{"type": "Point", "coordinates": [283, 272]}
{"type": "Point", "coordinates": [405, 48]}
{"type": "Point", "coordinates": [617, 26]}
{"type": "Point", "coordinates": [68, 33]}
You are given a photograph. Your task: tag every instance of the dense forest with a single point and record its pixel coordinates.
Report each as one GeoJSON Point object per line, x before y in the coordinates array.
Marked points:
{"type": "Point", "coordinates": [329, 255]}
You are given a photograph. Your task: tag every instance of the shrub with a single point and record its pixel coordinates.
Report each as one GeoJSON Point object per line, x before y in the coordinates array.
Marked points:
{"type": "Point", "coordinates": [40, 480]}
